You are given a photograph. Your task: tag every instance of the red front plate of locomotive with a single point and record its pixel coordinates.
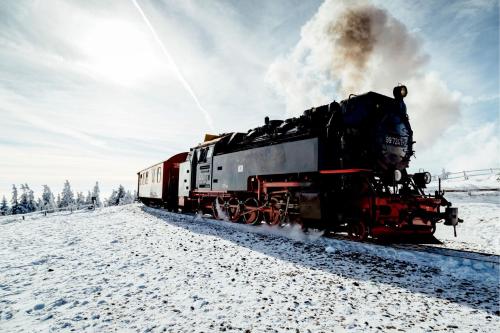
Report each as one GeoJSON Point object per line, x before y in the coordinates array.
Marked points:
{"type": "Point", "coordinates": [392, 216]}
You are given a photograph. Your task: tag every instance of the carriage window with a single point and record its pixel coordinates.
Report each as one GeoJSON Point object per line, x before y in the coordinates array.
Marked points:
{"type": "Point", "coordinates": [158, 175]}
{"type": "Point", "coordinates": [147, 174]}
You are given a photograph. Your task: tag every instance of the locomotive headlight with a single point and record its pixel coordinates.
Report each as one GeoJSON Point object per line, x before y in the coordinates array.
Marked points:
{"type": "Point", "coordinates": [422, 178]}
{"type": "Point", "coordinates": [404, 91]}
{"type": "Point", "coordinates": [400, 92]}
{"type": "Point", "coordinates": [427, 177]}
{"type": "Point", "coordinates": [397, 175]}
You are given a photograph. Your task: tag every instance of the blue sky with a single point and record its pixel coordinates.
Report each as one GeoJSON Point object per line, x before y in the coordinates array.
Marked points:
{"type": "Point", "coordinates": [87, 94]}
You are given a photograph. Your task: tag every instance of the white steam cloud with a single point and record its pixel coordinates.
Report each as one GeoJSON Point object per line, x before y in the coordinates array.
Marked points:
{"type": "Point", "coordinates": [353, 47]}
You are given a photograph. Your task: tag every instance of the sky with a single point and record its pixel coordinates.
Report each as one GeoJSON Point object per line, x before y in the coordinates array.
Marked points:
{"type": "Point", "coordinates": [98, 90]}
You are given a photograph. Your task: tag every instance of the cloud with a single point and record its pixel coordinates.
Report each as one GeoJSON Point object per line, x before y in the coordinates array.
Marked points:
{"type": "Point", "coordinates": [482, 145]}
{"type": "Point", "coordinates": [88, 79]}
{"type": "Point", "coordinates": [466, 149]}
{"type": "Point", "coordinates": [354, 47]}
{"type": "Point", "coordinates": [85, 84]}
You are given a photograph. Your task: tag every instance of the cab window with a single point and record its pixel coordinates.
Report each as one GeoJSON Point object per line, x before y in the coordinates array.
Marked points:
{"type": "Point", "coordinates": [210, 151]}
{"type": "Point", "coordinates": [204, 154]}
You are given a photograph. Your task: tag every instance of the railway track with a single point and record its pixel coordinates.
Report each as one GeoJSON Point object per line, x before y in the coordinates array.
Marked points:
{"type": "Point", "coordinates": [455, 253]}
{"type": "Point", "coordinates": [432, 249]}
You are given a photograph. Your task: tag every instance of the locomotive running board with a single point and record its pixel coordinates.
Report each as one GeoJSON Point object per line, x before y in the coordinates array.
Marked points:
{"type": "Point", "coordinates": [342, 171]}
{"type": "Point", "coordinates": [286, 184]}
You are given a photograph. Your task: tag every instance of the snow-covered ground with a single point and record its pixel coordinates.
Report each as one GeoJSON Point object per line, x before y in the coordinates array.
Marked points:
{"type": "Point", "coordinates": [480, 211]}
{"type": "Point", "coordinates": [490, 181]}
{"type": "Point", "coordinates": [131, 268]}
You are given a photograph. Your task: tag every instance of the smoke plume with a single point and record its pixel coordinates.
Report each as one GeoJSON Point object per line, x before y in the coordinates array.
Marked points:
{"type": "Point", "coordinates": [353, 47]}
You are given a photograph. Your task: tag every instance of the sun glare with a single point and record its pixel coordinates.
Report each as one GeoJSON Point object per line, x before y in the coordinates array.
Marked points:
{"type": "Point", "coordinates": [120, 52]}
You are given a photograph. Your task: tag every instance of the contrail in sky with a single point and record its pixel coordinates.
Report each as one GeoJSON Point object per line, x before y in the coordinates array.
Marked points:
{"type": "Point", "coordinates": [172, 63]}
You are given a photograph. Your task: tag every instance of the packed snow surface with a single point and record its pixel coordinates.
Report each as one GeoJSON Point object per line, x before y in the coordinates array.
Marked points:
{"type": "Point", "coordinates": [479, 206]}
{"type": "Point", "coordinates": [490, 181]}
{"type": "Point", "coordinates": [131, 268]}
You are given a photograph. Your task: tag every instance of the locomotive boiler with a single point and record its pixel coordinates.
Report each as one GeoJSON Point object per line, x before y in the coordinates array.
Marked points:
{"type": "Point", "coordinates": [338, 167]}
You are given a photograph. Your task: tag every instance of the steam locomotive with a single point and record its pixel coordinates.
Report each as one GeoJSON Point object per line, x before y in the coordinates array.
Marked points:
{"type": "Point", "coordinates": [338, 167]}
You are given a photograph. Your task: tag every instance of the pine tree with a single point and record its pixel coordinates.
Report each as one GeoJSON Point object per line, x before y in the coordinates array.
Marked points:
{"type": "Point", "coordinates": [4, 209]}
{"type": "Point", "coordinates": [31, 207]}
{"type": "Point", "coordinates": [88, 199]}
{"type": "Point", "coordinates": [23, 201]}
{"type": "Point", "coordinates": [112, 200]}
{"type": "Point", "coordinates": [95, 193]}
{"type": "Point", "coordinates": [48, 202]}
{"type": "Point", "coordinates": [67, 196]}
{"type": "Point", "coordinates": [120, 194]}
{"type": "Point", "coordinates": [14, 204]}
{"type": "Point", "coordinates": [39, 204]}
{"type": "Point", "coordinates": [80, 199]}
{"type": "Point", "coordinates": [58, 202]}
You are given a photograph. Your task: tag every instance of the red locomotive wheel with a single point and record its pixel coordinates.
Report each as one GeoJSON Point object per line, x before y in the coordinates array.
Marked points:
{"type": "Point", "coordinates": [233, 209]}
{"type": "Point", "coordinates": [251, 213]}
{"type": "Point", "coordinates": [273, 216]}
{"type": "Point", "coordinates": [358, 231]}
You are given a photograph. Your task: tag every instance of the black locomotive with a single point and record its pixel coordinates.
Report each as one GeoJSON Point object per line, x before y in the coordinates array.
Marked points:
{"type": "Point", "coordinates": [339, 167]}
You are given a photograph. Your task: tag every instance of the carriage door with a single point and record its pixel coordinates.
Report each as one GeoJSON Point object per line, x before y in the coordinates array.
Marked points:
{"type": "Point", "coordinates": [204, 168]}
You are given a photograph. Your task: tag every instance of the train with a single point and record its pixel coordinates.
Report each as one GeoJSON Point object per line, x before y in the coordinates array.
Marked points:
{"type": "Point", "coordinates": [340, 167]}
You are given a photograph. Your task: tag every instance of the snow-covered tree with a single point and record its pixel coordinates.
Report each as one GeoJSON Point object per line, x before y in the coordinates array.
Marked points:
{"type": "Point", "coordinates": [58, 202]}
{"type": "Point", "coordinates": [23, 201]}
{"type": "Point", "coordinates": [119, 197]}
{"type": "Point", "coordinates": [14, 203]}
{"type": "Point", "coordinates": [67, 196]}
{"type": "Point", "coordinates": [80, 199]}
{"type": "Point", "coordinates": [31, 199]}
{"type": "Point", "coordinates": [120, 194]}
{"type": "Point", "coordinates": [88, 199]}
{"type": "Point", "coordinates": [127, 199]}
{"type": "Point", "coordinates": [112, 200]}
{"type": "Point", "coordinates": [444, 174]}
{"type": "Point", "coordinates": [48, 202]}
{"type": "Point", "coordinates": [39, 204]}
{"type": "Point", "coordinates": [4, 209]}
{"type": "Point", "coordinates": [95, 193]}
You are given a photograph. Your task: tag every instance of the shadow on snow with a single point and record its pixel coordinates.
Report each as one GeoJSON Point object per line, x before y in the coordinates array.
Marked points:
{"type": "Point", "coordinates": [311, 253]}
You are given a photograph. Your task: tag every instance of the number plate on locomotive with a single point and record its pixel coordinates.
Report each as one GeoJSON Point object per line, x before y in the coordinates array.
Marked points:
{"type": "Point", "coordinates": [395, 141]}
